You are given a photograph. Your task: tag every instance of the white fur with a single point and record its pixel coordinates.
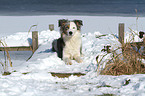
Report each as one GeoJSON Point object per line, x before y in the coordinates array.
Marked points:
{"type": "Point", "coordinates": [72, 45]}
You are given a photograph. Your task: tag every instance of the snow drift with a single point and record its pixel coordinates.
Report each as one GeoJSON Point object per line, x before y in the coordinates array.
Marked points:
{"type": "Point", "coordinates": [38, 81]}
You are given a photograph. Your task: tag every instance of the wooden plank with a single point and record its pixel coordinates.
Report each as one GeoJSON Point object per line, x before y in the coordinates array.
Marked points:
{"type": "Point", "coordinates": [66, 75]}
{"type": "Point", "coordinates": [34, 40]}
{"type": "Point", "coordinates": [121, 33]}
{"type": "Point", "coordinates": [19, 48]}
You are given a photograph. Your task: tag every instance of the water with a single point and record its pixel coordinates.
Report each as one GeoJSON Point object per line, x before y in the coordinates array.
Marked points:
{"type": "Point", "coordinates": [71, 7]}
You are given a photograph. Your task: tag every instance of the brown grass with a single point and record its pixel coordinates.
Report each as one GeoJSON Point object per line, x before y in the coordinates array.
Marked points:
{"type": "Point", "coordinates": [126, 63]}
{"type": "Point", "coordinates": [7, 58]}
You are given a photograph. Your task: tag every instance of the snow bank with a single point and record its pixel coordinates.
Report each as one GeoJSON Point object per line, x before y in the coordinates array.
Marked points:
{"type": "Point", "coordinates": [38, 81]}
{"type": "Point", "coordinates": [92, 47]}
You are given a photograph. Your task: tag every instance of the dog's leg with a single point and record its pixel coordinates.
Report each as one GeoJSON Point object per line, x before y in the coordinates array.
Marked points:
{"type": "Point", "coordinates": [67, 61]}
{"type": "Point", "coordinates": [60, 48]}
{"type": "Point", "coordinates": [78, 59]}
{"type": "Point", "coordinates": [66, 58]}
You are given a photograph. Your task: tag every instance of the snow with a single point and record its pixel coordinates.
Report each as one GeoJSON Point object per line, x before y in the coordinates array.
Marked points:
{"type": "Point", "coordinates": [103, 24]}
{"type": "Point", "coordinates": [39, 82]}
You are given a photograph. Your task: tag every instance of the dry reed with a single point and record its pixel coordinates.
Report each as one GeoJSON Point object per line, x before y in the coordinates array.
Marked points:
{"type": "Point", "coordinates": [129, 61]}
{"type": "Point", "coordinates": [126, 63]}
{"type": "Point", "coordinates": [7, 58]}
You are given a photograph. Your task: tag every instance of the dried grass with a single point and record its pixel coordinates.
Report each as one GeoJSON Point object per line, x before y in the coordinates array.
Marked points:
{"type": "Point", "coordinates": [129, 61]}
{"type": "Point", "coordinates": [126, 63]}
{"type": "Point", "coordinates": [7, 58]}
{"type": "Point", "coordinates": [7, 55]}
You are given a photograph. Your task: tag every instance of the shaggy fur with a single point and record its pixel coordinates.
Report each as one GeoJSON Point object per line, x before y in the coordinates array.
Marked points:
{"type": "Point", "coordinates": [69, 45]}
{"type": "Point", "coordinates": [58, 45]}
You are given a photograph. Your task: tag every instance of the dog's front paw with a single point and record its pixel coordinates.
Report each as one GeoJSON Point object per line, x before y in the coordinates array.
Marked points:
{"type": "Point", "coordinates": [67, 61]}
{"type": "Point", "coordinates": [79, 60]}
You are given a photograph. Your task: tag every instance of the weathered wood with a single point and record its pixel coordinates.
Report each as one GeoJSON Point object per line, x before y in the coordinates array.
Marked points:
{"type": "Point", "coordinates": [18, 48]}
{"type": "Point", "coordinates": [34, 40]}
{"type": "Point", "coordinates": [25, 48]}
{"type": "Point", "coordinates": [66, 75]}
{"type": "Point", "coordinates": [51, 27]}
{"type": "Point", "coordinates": [121, 33]}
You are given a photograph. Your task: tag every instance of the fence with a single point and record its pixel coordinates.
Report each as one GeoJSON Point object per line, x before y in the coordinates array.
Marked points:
{"type": "Point", "coordinates": [32, 48]}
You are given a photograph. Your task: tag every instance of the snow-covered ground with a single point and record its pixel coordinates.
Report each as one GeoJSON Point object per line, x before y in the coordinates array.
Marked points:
{"type": "Point", "coordinates": [39, 82]}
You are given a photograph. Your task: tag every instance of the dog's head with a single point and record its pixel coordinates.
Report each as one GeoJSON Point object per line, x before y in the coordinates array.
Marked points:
{"type": "Point", "coordinates": [69, 28]}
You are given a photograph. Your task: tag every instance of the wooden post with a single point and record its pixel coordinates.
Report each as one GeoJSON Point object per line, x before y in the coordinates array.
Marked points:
{"type": "Point", "coordinates": [121, 33]}
{"type": "Point", "coordinates": [51, 27]}
{"type": "Point", "coordinates": [34, 40]}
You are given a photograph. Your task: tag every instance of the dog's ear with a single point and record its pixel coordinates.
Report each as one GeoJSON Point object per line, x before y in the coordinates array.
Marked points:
{"type": "Point", "coordinates": [61, 22]}
{"type": "Point", "coordinates": [79, 23]}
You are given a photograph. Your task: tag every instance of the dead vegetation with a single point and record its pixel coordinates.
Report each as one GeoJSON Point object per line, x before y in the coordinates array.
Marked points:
{"type": "Point", "coordinates": [7, 59]}
{"type": "Point", "coordinates": [129, 61]}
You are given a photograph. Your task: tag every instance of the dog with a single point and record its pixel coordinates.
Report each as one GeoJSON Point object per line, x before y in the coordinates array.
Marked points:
{"type": "Point", "coordinates": [69, 45]}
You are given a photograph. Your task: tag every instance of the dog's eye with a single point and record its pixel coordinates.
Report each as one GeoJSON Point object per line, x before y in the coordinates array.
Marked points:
{"type": "Point", "coordinates": [73, 27]}
{"type": "Point", "coordinates": [67, 27]}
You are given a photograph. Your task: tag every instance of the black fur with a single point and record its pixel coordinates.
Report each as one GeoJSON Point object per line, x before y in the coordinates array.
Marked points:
{"type": "Point", "coordinates": [141, 34]}
{"type": "Point", "coordinates": [60, 42]}
{"type": "Point", "coordinates": [61, 22]}
{"type": "Point", "coordinates": [60, 45]}
{"type": "Point", "coordinates": [79, 23]}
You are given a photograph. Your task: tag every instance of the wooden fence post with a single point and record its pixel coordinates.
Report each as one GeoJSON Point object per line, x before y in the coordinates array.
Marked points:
{"type": "Point", "coordinates": [51, 27]}
{"type": "Point", "coordinates": [121, 33]}
{"type": "Point", "coordinates": [34, 40]}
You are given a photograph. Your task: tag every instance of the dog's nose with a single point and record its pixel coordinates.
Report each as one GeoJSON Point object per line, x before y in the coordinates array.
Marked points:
{"type": "Point", "coordinates": [70, 33]}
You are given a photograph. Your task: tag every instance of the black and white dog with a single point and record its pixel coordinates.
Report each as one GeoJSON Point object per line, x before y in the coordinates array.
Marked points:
{"type": "Point", "coordinates": [69, 45]}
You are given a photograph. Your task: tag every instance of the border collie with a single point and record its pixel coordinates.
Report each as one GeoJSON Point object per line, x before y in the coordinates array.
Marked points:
{"type": "Point", "coordinates": [69, 45]}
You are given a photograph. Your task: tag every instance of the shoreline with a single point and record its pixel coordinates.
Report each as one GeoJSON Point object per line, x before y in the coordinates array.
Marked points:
{"type": "Point", "coordinates": [33, 13]}
{"type": "Point", "coordinates": [114, 15]}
